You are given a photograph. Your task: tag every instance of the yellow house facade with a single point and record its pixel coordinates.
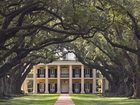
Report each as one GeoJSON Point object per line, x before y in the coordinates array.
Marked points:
{"type": "Point", "coordinates": [64, 77]}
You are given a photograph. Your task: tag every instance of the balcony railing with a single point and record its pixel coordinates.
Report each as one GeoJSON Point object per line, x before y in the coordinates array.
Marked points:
{"type": "Point", "coordinates": [52, 75]}
{"type": "Point", "coordinates": [40, 75]}
{"type": "Point", "coordinates": [64, 75]}
{"type": "Point", "coordinates": [88, 75]}
{"type": "Point", "coordinates": [76, 75]}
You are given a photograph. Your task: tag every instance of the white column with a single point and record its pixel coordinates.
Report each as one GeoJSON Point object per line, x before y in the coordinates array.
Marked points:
{"type": "Point", "coordinates": [94, 81]}
{"type": "Point", "coordinates": [34, 79]}
{"type": "Point", "coordinates": [24, 86]}
{"type": "Point", "coordinates": [46, 79]}
{"type": "Point", "coordinates": [82, 79]}
{"type": "Point", "coordinates": [58, 79]}
{"type": "Point", "coordinates": [70, 79]}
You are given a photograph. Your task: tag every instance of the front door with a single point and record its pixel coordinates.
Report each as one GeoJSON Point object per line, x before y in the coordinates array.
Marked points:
{"type": "Point", "coordinates": [65, 86]}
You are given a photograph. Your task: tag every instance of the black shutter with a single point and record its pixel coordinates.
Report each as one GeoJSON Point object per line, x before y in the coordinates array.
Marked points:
{"type": "Point", "coordinates": [73, 72]}
{"type": "Point", "coordinates": [73, 88]}
{"type": "Point", "coordinates": [49, 88]}
{"type": "Point", "coordinates": [48, 72]}
{"type": "Point", "coordinates": [38, 91]}
{"type": "Point", "coordinates": [44, 88]}
{"type": "Point", "coordinates": [44, 72]}
{"type": "Point", "coordinates": [84, 72]}
{"type": "Point", "coordinates": [55, 72]}
{"type": "Point", "coordinates": [55, 88]}
{"type": "Point", "coordinates": [38, 72]}
{"type": "Point", "coordinates": [80, 87]}
{"type": "Point", "coordinates": [90, 88]}
{"type": "Point", "coordinates": [90, 72]}
{"type": "Point", "coordinates": [80, 72]}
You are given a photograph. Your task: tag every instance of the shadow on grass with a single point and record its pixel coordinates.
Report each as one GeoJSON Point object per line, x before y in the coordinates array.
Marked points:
{"type": "Point", "coordinates": [31, 100]}
{"type": "Point", "coordinates": [93, 100]}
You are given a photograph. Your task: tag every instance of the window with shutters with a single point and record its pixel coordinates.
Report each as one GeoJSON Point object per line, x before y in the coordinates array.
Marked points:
{"type": "Point", "coordinates": [52, 72]}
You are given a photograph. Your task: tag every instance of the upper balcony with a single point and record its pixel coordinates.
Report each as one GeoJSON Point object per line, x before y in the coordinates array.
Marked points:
{"type": "Point", "coordinates": [52, 73]}
{"type": "Point", "coordinates": [76, 73]}
{"type": "Point", "coordinates": [64, 71]}
{"type": "Point", "coordinates": [88, 73]}
{"type": "Point", "coordinates": [64, 75]}
{"type": "Point", "coordinates": [40, 73]}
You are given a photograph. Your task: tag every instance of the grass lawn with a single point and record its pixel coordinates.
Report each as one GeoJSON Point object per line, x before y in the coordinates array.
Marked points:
{"type": "Point", "coordinates": [90, 99]}
{"type": "Point", "coordinates": [40, 99]}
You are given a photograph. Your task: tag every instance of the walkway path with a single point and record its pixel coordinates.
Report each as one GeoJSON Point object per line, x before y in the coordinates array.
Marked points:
{"type": "Point", "coordinates": [64, 99]}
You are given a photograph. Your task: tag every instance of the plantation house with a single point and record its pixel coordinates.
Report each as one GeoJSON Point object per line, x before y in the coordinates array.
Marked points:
{"type": "Point", "coordinates": [64, 76]}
